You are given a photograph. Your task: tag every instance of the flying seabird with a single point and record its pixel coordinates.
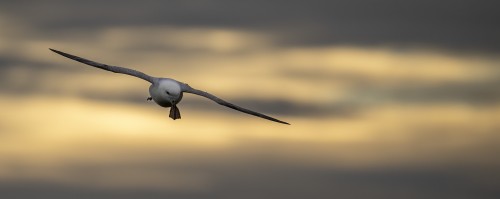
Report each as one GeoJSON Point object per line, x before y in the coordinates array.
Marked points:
{"type": "Point", "coordinates": [165, 92]}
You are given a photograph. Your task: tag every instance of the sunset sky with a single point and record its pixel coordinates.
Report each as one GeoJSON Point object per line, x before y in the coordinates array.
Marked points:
{"type": "Point", "coordinates": [386, 99]}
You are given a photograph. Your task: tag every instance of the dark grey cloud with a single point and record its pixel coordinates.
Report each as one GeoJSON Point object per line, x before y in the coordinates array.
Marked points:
{"type": "Point", "coordinates": [478, 92]}
{"type": "Point", "coordinates": [22, 75]}
{"type": "Point", "coordinates": [475, 93]}
{"type": "Point", "coordinates": [468, 24]}
{"type": "Point", "coordinates": [8, 63]}
{"type": "Point", "coordinates": [265, 178]}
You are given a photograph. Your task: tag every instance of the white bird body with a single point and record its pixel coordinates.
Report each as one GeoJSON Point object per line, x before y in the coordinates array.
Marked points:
{"type": "Point", "coordinates": [166, 92]}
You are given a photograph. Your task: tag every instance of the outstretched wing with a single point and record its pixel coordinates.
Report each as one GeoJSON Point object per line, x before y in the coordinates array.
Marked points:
{"type": "Point", "coordinates": [115, 69]}
{"type": "Point", "coordinates": [188, 89]}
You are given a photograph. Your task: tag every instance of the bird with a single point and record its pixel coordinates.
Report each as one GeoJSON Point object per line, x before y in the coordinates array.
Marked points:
{"type": "Point", "coordinates": [165, 92]}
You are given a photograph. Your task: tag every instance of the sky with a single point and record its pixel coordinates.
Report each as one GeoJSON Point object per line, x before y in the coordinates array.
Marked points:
{"type": "Point", "coordinates": [386, 99]}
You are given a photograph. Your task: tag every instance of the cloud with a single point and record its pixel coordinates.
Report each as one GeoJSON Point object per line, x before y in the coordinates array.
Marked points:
{"type": "Point", "coordinates": [367, 122]}
{"type": "Point", "coordinates": [465, 25]}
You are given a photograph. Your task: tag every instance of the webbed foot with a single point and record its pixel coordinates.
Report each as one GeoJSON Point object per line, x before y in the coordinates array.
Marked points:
{"type": "Point", "coordinates": [175, 113]}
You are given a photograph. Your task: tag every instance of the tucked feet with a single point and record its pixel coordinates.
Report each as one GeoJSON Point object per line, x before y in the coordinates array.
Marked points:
{"type": "Point", "coordinates": [149, 99]}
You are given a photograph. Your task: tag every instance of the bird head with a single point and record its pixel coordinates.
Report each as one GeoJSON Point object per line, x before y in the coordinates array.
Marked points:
{"type": "Point", "coordinates": [171, 90]}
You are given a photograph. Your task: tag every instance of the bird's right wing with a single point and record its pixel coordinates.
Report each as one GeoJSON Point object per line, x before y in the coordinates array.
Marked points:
{"type": "Point", "coordinates": [115, 69]}
{"type": "Point", "coordinates": [189, 89]}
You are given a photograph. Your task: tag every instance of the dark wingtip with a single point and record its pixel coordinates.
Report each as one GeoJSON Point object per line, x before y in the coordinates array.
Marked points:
{"type": "Point", "coordinates": [284, 122]}
{"type": "Point", "coordinates": [56, 51]}
{"type": "Point", "coordinates": [69, 56]}
{"type": "Point", "coordinates": [276, 120]}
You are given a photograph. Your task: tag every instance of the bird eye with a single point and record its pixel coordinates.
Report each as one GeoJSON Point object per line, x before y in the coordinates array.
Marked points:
{"type": "Point", "coordinates": [168, 93]}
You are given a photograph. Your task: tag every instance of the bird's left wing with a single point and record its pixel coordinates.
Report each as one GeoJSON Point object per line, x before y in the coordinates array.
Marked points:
{"type": "Point", "coordinates": [115, 69]}
{"type": "Point", "coordinates": [188, 89]}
